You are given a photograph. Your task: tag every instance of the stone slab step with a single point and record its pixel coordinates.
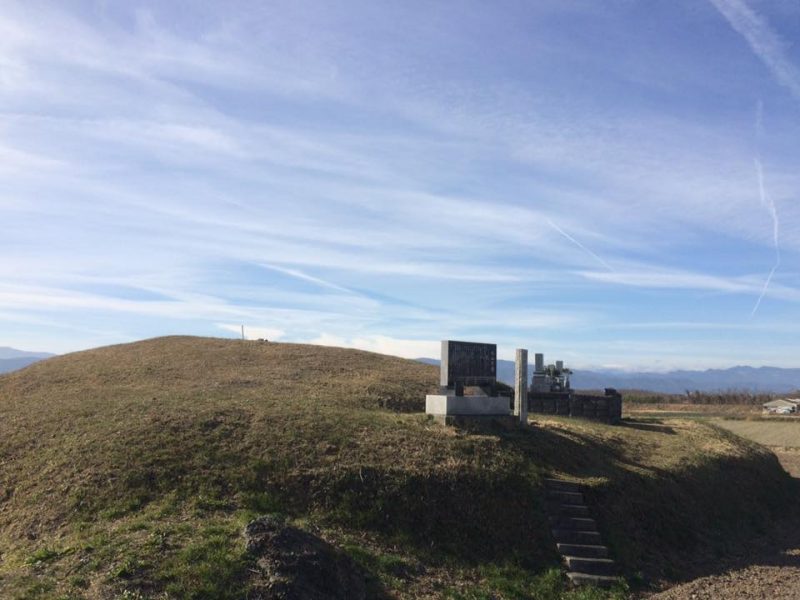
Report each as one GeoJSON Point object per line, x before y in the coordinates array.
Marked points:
{"type": "Point", "coordinates": [565, 497]}
{"type": "Point", "coordinates": [584, 550]}
{"type": "Point", "coordinates": [576, 523]}
{"type": "Point", "coordinates": [561, 485]}
{"type": "Point", "coordinates": [590, 579]}
{"type": "Point", "coordinates": [568, 510]}
{"type": "Point", "coordinates": [592, 566]}
{"type": "Point", "coordinates": [571, 536]}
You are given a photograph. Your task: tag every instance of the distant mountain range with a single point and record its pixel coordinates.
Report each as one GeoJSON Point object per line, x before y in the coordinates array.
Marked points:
{"type": "Point", "coordinates": [12, 359]}
{"type": "Point", "coordinates": [761, 379]}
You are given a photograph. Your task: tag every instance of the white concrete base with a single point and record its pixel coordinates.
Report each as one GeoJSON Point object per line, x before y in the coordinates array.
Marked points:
{"type": "Point", "coordinates": [439, 404]}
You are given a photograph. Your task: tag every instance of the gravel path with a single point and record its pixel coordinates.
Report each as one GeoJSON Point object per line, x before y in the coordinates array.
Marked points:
{"type": "Point", "coordinates": [771, 574]}
{"type": "Point", "coordinates": [767, 581]}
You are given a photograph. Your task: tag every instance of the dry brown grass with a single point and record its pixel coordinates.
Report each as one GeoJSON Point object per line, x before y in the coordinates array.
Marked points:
{"type": "Point", "coordinates": [134, 468]}
{"type": "Point", "coordinates": [667, 410]}
{"type": "Point", "coordinates": [790, 460]}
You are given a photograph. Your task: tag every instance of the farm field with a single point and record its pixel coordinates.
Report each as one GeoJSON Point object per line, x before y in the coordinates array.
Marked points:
{"type": "Point", "coordinates": [770, 432]}
{"type": "Point", "coordinates": [790, 460]}
{"type": "Point", "coordinates": [781, 435]}
{"type": "Point", "coordinates": [691, 411]}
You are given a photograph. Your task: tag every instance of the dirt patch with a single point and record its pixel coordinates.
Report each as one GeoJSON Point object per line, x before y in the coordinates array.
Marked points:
{"type": "Point", "coordinates": [772, 570]}
{"type": "Point", "coordinates": [760, 581]}
{"type": "Point", "coordinates": [294, 564]}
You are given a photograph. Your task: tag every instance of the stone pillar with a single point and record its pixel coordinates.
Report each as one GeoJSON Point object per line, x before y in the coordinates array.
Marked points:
{"type": "Point", "coordinates": [521, 386]}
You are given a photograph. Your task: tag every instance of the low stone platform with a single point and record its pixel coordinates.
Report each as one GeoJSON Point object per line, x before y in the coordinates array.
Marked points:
{"type": "Point", "coordinates": [446, 405]}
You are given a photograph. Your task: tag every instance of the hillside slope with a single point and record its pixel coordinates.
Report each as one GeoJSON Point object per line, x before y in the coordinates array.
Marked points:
{"type": "Point", "coordinates": [134, 468]}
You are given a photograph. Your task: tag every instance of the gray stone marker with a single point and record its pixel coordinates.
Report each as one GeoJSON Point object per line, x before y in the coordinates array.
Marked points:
{"type": "Point", "coordinates": [467, 364]}
{"type": "Point", "coordinates": [521, 385]}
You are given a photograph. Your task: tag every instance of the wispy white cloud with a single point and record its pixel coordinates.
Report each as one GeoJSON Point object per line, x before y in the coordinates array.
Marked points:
{"type": "Point", "coordinates": [764, 41]}
{"type": "Point", "coordinates": [417, 195]}
{"type": "Point", "coordinates": [15, 162]}
{"type": "Point", "coordinates": [404, 348]}
{"type": "Point", "coordinates": [659, 278]}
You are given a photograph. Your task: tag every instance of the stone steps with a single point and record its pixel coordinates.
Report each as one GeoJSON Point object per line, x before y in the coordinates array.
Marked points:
{"type": "Point", "coordinates": [570, 536]}
{"type": "Point", "coordinates": [562, 486]}
{"type": "Point", "coordinates": [577, 539]}
{"type": "Point", "coordinates": [564, 497]}
{"type": "Point", "coordinates": [592, 566]}
{"type": "Point", "coordinates": [588, 579]}
{"type": "Point", "coordinates": [576, 523]}
{"type": "Point", "coordinates": [585, 550]}
{"type": "Point", "coordinates": [568, 510]}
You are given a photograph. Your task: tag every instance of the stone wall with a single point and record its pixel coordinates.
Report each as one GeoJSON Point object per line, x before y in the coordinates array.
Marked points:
{"type": "Point", "coordinates": [607, 408]}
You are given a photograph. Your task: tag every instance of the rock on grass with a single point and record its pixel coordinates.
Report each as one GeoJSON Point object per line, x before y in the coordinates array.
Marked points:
{"type": "Point", "coordinates": [297, 565]}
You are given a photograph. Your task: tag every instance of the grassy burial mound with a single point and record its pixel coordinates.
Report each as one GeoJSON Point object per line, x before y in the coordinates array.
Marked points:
{"type": "Point", "coordinates": [133, 470]}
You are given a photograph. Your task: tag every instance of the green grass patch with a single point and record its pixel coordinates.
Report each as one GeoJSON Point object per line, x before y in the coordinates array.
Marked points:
{"type": "Point", "coordinates": [46, 554]}
{"type": "Point", "coordinates": [212, 566]}
{"type": "Point", "coordinates": [513, 583]}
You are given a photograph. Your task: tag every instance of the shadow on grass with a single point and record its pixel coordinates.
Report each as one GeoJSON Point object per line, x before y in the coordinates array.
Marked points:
{"type": "Point", "coordinates": [660, 524]}
{"type": "Point", "coordinates": [655, 427]}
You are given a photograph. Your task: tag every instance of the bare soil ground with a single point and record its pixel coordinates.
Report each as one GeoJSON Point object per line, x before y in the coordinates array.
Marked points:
{"type": "Point", "coordinates": [772, 569]}
{"type": "Point", "coordinates": [778, 581]}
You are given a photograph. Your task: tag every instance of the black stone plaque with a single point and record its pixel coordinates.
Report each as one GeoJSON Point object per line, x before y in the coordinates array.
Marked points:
{"type": "Point", "coordinates": [468, 363]}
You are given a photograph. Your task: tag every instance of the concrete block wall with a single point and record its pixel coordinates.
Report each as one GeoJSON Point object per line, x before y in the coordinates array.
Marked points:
{"type": "Point", "coordinates": [606, 408]}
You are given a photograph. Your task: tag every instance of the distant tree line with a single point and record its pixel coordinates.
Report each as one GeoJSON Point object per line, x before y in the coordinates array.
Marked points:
{"type": "Point", "coordinates": [697, 397]}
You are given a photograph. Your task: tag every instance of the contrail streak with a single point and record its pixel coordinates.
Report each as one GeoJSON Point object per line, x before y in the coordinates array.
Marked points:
{"type": "Point", "coordinates": [769, 204]}
{"type": "Point", "coordinates": [763, 40]}
{"type": "Point", "coordinates": [579, 245]}
{"type": "Point", "coordinates": [305, 277]}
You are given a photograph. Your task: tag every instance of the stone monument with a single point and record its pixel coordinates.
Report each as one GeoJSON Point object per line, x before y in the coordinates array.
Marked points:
{"type": "Point", "coordinates": [521, 385]}
{"type": "Point", "coordinates": [467, 365]}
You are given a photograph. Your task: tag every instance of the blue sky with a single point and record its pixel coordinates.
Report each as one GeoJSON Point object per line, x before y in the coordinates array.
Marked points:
{"type": "Point", "coordinates": [612, 183]}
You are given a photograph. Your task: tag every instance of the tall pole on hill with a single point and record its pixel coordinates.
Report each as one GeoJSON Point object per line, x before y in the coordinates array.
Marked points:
{"type": "Point", "coordinates": [242, 332]}
{"type": "Point", "coordinates": [521, 385]}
